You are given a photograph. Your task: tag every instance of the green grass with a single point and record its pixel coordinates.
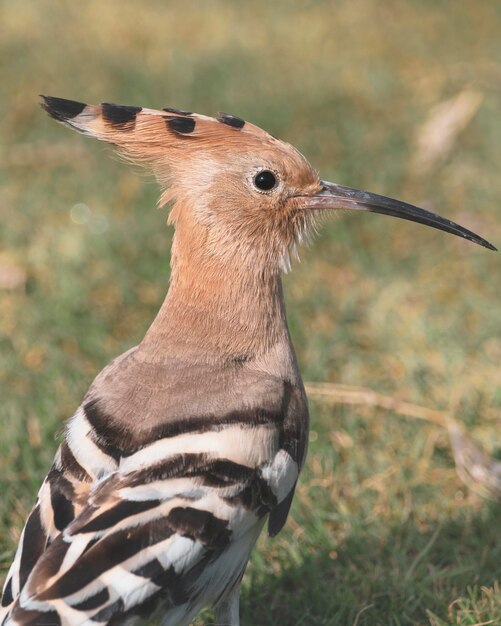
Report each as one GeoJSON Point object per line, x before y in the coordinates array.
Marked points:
{"type": "Point", "coordinates": [382, 531]}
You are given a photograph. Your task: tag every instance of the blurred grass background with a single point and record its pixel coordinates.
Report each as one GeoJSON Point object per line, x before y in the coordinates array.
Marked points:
{"type": "Point", "coordinates": [398, 97]}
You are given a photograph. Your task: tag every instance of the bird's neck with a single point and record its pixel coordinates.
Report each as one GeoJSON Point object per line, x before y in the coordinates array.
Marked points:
{"type": "Point", "coordinates": [217, 307]}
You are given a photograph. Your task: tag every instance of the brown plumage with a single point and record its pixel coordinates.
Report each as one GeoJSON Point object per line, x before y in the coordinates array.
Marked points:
{"type": "Point", "coordinates": [187, 444]}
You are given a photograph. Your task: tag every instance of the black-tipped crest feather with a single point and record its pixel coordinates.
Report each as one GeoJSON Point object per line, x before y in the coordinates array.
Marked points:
{"type": "Point", "coordinates": [231, 120]}
{"type": "Point", "coordinates": [119, 114]}
{"type": "Point", "coordinates": [61, 109]}
{"type": "Point", "coordinates": [181, 125]}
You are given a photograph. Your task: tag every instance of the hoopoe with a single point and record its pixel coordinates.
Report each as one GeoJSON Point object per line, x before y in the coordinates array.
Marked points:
{"type": "Point", "coordinates": [188, 443]}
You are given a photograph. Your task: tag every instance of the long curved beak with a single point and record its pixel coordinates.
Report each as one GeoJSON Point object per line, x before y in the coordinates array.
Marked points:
{"type": "Point", "coordinates": [333, 196]}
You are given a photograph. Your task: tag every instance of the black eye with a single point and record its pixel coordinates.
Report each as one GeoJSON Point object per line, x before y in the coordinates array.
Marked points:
{"type": "Point", "coordinates": [265, 180]}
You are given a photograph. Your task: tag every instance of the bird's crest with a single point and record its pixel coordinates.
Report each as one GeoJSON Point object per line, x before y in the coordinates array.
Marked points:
{"type": "Point", "coordinates": [246, 189]}
{"type": "Point", "coordinates": [144, 134]}
{"type": "Point", "coordinates": [169, 141]}
{"type": "Point", "coordinates": [207, 164]}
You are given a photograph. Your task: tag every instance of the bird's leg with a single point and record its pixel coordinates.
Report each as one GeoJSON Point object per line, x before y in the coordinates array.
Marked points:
{"type": "Point", "coordinates": [228, 610]}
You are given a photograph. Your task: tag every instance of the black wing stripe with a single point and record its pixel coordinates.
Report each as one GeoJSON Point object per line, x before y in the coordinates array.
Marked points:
{"type": "Point", "coordinates": [255, 496]}
{"type": "Point", "coordinates": [62, 506]}
{"type": "Point", "coordinates": [173, 592]}
{"type": "Point", "coordinates": [117, 442]}
{"type": "Point", "coordinates": [71, 465]}
{"type": "Point", "coordinates": [211, 423]}
{"type": "Point", "coordinates": [278, 515]}
{"type": "Point", "coordinates": [174, 467]}
{"type": "Point", "coordinates": [149, 570]}
{"type": "Point", "coordinates": [34, 543]}
{"type": "Point", "coordinates": [292, 436]}
{"type": "Point", "coordinates": [100, 435]}
{"type": "Point", "coordinates": [7, 593]}
{"type": "Point", "coordinates": [201, 526]}
{"type": "Point", "coordinates": [114, 515]}
{"type": "Point", "coordinates": [222, 472]}
{"type": "Point", "coordinates": [23, 617]}
{"type": "Point", "coordinates": [255, 493]}
{"type": "Point", "coordinates": [46, 568]}
{"type": "Point", "coordinates": [106, 554]}
{"type": "Point", "coordinates": [212, 472]}
{"type": "Point", "coordinates": [113, 610]}
{"type": "Point", "coordinates": [117, 547]}
{"type": "Point", "coordinates": [94, 602]}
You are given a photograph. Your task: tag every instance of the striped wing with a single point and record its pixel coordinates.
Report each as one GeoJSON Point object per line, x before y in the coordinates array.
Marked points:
{"type": "Point", "coordinates": [130, 519]}
{"type": "Point", "coordinates": [147, 536]}
{"type": "Point", "coordinates": [163, 530]}
{"type": "Point", "coordinates": [62, 495]}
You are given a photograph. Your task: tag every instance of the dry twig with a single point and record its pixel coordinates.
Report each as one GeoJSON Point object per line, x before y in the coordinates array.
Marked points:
{"type": "Point", "coordinates": [474, 466]}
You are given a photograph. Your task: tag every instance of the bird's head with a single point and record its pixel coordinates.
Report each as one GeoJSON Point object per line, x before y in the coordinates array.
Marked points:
{"type": "Point", "coordinates": [238, 193]}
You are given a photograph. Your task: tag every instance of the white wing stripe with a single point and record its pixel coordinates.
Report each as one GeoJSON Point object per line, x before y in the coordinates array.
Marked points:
{"type": "Point", "coordinates": [131, 588]}
{"type": "Point", "coordinates": [250, 447]}
{"type": "Point", "coordinates": [163, 490]}
{"type": "Point", "coordinates": [281, 474]}
{"type": "Point", "coordinates": [93, 460]}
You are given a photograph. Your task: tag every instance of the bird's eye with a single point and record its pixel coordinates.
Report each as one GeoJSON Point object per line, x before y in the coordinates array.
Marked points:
{"type": "Point", "coordinates": [265, 180]}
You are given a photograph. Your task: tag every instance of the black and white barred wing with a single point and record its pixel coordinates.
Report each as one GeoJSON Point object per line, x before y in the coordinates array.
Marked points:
{"type": "Point", "coordinates": [138, 513]}
{"type": "Point", "coordinates": [61, 497]}
{"type": "Point", "coordinates": [174, 534]}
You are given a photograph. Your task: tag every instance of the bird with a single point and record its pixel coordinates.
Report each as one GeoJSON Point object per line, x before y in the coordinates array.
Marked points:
{"type": "Point", "coordinates": [188, 444]}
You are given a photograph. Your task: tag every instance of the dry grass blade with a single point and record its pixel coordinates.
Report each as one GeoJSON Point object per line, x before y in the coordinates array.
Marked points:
{"type": "Point", "coordinates": [437, 136]}
{"type": "Point", "coordinates": [474, 466]}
